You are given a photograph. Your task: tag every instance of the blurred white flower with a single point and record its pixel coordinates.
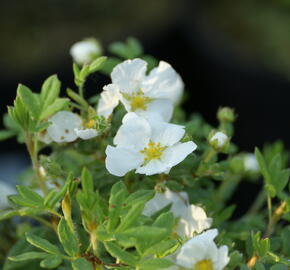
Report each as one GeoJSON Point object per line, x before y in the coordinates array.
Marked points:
{"type": "Point", "coordinates": [178, 202]}
{"type": "Point", "coordinates": [63, 125]}
{"type": "Point", "coordinates": [192, 218]}
{"type": "Point", "coordinates": [251, 163]}
{"type": "Point", "coordinates": [150, 147]}
{"type": "Point", "coordinates": [85, 51]}
{"type": "Point", "coordinates": [5, 190]}
{"type": "Point", "coordinates": [67, 127]}
{"type": "Point", "coordinates": [141, 93]}
{"type": "Point", "coordinates": [219, 139]}
{"type": "Point", "coordinates": [201, 253]}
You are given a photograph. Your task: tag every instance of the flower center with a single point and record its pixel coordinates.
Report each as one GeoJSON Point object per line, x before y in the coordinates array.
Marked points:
{"type": "Point", "coordinates": [138, 101]}
{"type": "Point", "coordinates": [204, 265]}
{"type": "Point", "coordinates": [90, 124]}
{"type": "Point", "coordinates": [152, 151]}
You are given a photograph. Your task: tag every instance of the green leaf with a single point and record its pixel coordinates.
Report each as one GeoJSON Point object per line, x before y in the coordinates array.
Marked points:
{"type": "Point", "coordinates": [118, 195]}
{"type": "Point", "coordinates": [58, 105]}
{"type": "Point", "coordinates": [5, 214]}
{"type": "Point", "coordinates": [153, 264]}
{"type": "Point", "coordinates": [259, 266]}
{"type": "Point", "coordinates": [162, 248]}
{"type": "Point", "coordinates": [68, 238]}
{"type": "Point", "coordinates": [81, 264]}
{"type": "Point", "coordinates": [18, 200]}
{"type": "Point", "coordinates": [127, 50]}
{"type": "Point", "coordinates": [77, 98]}
{"type": "Point", "coordinates": [30, 100]}
{"type": "Point", "coordinates": [97, 64]}
{"type": "Point", "coordinates": [87, 181]}
{"type": "Point", "coordinates": [30, 195]}
{"type": "Point", "coordinates": [120, 254]}
{"type": "Point", "coordinates": [165, 220]}
{"type": "Point", "coordinates": [42, 244]}
{"type": "Point", "coordinates": [279, 266]}
{"type": "Point", "coordinates": [28, 256]}
{"type": "Point", "coordinates": [51, 261]}
{"type": "Point", "coordinates": [263, 166]}
{"type": "Point", "coordinates": [6, 134]}
{"type": "Point", "coordinates": [139, 196]}
{"type": "Point", "coordinates": [131, 217]}
{"type": "Point", "coordinates": [261, 246]}
{"type": "Point", "coordinates": [109, 65]}
{"type": "Point", "coordinates": [49, 91]}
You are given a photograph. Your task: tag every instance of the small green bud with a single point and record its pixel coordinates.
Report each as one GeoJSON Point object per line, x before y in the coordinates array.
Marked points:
{"type": "Point", "coordinates": [226, 114]}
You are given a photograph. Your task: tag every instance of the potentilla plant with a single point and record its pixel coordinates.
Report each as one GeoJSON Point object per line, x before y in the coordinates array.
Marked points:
{"type": "Point", "coordinates": [126, 180]}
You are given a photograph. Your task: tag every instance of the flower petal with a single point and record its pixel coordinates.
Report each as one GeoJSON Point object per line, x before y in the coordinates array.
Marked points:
{"type": "Point", "coordinates": [154, 166]}
{"type": "Point", "coordinates": [120, 160]}
{"type": "Point", "coordinates": [63, 125]}
{"type": "Point", "coordinates": [163, 107]}
{"type": "Point", "coordinates": [129, 74]}
{"type": "Point", "coordinates": [86, 134]}
{"type": "Point", "coordinates": [134, 133]}
{"type": "Point", "coordinates": [165, 133]}
{"type": "Point", "coordinates": [177, 153]}
{"type": "Point", "coordinates": [109, 100]}
{"type": "Point", "coordinates": [163, 82]}
{"type": "Point", "coordinates": [223, 258]}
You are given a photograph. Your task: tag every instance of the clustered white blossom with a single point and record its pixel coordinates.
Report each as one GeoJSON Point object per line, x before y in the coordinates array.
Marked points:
{"type": "Point", "coordinates": [191, 218]}
{"type": "Point", "coordinates": [148, 144]}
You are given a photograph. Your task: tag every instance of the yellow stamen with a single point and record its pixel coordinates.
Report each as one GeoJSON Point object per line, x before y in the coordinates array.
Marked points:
{"type": "Point", "coordinates": [204, 265]}
{"type": "Point", "coordinates": [138, 101]}
{"type": "Point", "coordinates": [152, 151]}
{"type": "Point", "coordinates": [90, 124]}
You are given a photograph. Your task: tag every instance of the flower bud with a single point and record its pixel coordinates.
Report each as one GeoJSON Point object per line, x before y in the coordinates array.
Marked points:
{"type": "Point", "coordinates": [251, 164]}
{"type": "Point", "coordinates": [219, 141]}
{"type": "Point", "coordinates": [226, 114]}
{"type": "Point", "coordinates": [84, 52]}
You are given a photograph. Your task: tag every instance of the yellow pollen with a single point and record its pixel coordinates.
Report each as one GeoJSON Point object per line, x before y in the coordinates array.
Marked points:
{"type": "Point", "coordinates": [204, 265]}
{"type": "Point", "coordinates": [152, 151]}
{"type": "Point", "coordinates": [137, 100]}
{"type": "Point", "coordinates": [90, 124]}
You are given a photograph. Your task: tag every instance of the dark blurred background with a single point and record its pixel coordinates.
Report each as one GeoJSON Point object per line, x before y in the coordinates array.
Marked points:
{"type": "Point", "coordinates": [233, 53]}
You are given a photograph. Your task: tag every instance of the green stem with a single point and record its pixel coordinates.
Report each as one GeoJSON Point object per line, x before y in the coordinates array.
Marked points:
{"type": "Point", "coordinates": [43, 221]}
{"type": "Point", "coordinates": [209, 155]}
{"type": "Point", "coordinates": [32, 147]}
{"type": "Point", "coordinates": [269, 204]}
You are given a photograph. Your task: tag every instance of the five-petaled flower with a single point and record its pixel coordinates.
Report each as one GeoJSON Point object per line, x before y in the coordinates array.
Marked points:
{"type": "Point", "coordinates": [156, 92]}
{"type": "Point", "coordinates": [67, 127]}
{"type": "Point", "coordinates": [201, 253]}
{"type": "Point", "coordinates": [148, 146]}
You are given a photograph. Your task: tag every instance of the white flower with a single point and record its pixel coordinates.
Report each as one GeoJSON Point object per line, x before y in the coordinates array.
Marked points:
{"type": "Point", "coordinates": [87, 133]}
{"type": "Point", "coordinates": [5, 191]}
{"type": "Point", "coordinates": [251, 163]}
{"type": "Point", "coordinates": [141, 93]}
{"type": "Point", "coordinates": [150, 147]}
{"type": "Point", "coordinates": [67, 127]}
{"type": "Point", "coordinates": [84, 52]}
{"type": "Point", "coordinates": [160, 200]}
{"type": "Point", "coordinates": [220, 139]}
{"type": "Point", "coordinates": [109, 100]}
{"type": "Point", "coordinates": [201, 253]}
{"type": "Point", "coordinates": [63, 125]}
{"type": "Point", "coordinates": [193, 220]}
